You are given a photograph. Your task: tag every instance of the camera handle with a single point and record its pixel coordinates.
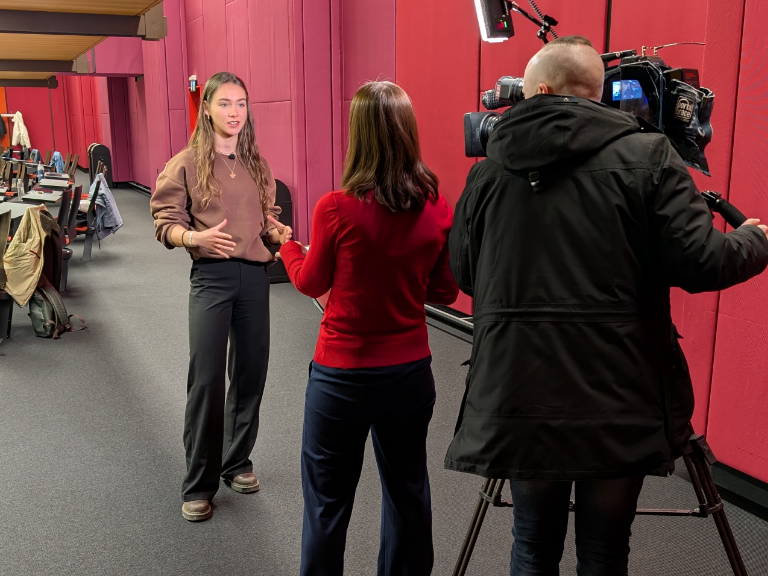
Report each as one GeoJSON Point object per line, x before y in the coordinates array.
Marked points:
{"type": "Point", "coordinates": [728, 211]}
{"type": "Point", "coordinates": [698, 457]}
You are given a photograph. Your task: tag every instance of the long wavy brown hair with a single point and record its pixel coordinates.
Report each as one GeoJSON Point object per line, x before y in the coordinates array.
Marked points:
{"type": "Point", "coordinates": [208, 186]}
{"type": "Point", "coordinates": [384, 153]}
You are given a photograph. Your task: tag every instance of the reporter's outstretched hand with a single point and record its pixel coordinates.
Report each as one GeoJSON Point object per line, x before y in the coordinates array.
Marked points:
{"type": "Point", "coordinates": [756, 222]}
{"type": "Point", "coordinates": [214, 240]}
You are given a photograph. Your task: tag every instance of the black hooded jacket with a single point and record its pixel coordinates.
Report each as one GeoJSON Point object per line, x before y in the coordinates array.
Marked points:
{"type": "Point", "coordinates": [568, 237]}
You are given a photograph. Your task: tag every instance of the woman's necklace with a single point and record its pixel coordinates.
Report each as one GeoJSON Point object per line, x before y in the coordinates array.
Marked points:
{"type": "Point", "coordinates": [231, 170]}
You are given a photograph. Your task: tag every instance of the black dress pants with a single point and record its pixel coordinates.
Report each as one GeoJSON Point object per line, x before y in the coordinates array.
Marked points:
{"type": "Point", "coordinates": [228, 301]}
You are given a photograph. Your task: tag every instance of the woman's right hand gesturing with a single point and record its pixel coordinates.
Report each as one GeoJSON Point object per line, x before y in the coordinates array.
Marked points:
{"type": "Point", "coordinates": [214, 240]}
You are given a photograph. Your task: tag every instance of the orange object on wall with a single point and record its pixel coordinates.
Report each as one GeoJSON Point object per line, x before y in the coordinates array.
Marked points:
{"type": "Point", "coordinates": [194, 108]}
{"type": "Point", "coordinates": [5, 140]}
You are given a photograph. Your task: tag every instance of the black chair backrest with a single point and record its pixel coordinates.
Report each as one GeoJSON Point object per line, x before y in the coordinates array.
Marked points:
{"type": "Point", "coordinates": [5, 229]}
{"type": "Point", "coordinates": [72, 166]}
{"type": "Point", "coordinates": [63, 218]}
{"type": "Point", "coordinates": [92, 206]}
{"type": "Point", "coordinates": [72, 222]}
{"type": "Point", "coordinates": [21, 176]}
{"type": "Point", "coordinates": [47, 159]}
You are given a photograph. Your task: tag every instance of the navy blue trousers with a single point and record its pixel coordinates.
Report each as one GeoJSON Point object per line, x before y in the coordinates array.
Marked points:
{"type": "Point", "coordinates": [395, 403]}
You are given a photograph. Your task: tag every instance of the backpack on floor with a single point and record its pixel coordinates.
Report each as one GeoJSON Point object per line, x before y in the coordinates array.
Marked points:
{"type": "Point", "coordinates": [48, 313]}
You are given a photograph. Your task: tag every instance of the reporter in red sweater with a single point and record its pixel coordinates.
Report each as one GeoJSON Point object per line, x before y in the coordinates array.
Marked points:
{"type": "Point", "coordinates": [380, 247]}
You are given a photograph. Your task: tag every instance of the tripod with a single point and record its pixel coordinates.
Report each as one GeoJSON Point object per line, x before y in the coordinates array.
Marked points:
{"type": "Point", "coordinates": [698, 458]}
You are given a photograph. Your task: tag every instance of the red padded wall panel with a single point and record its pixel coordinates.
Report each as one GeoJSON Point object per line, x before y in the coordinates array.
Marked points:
{"type": "Point", "coordinates": [194, 9]}
{"type": "Point", "coordinates": [74, 104]}
{"type": "Point", "coordinates": [157, 117]}
{"type": "Point", "coordinates": [176, 61]}
{"type": "Point", "coordinates": [315, 102]}
{"type": "Point", "coordinates": [214, 47]}
{"type": "Point", "coordinates": [269, 33]}
{"type": "Point", "coordinates": [119, 116]}
{"type": "Point", "coordinates": [274, 135]}
{"type": "Point", "coordinates": [368, 43]}
{"type": "Point", "coordinates": [585, 18]}
{"type": "Point", "coordinates": [238, 40]}
{"type": "Point", "coordinates": [364, 53]}
{"type": "Point", "coordinates": [60, 122]}
{"type": "Point", "coordinates": [719, 25]}
{"type": "Point", "coordinates": [35, 108]}
{"type": "Point", "coordinates": [137, 112]}
{"type": "Point", "coordinates": [738, 427]}
{"type": "Point", "coordinates": [438, 64]}
{"type": "Point", "coordinates": [196, 50]}
{"type": "Point", "coordinates": [5, 140]}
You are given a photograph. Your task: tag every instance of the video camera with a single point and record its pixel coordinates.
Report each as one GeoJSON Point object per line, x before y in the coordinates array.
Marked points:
{"type": "Point", "coordinates": [669, 99]}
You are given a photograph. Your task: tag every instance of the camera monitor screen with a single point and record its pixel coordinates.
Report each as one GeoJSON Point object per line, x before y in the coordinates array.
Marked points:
{"type": "Point", "coordinates": [627, 90]}
{"type": "Point", "coordinates": [628, 96]}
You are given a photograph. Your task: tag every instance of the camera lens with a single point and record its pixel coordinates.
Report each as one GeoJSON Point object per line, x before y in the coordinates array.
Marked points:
{"type": "Point", "coordinates": [486, 128]}
{"type": "Point", "coordinates": [509, 91]}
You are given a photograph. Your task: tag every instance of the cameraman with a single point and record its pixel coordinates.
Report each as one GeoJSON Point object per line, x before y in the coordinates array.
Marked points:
{"type": "Point", "coordinates": [568, 237]}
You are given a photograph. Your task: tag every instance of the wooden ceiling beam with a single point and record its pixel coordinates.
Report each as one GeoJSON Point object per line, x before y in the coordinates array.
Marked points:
{"type": "Point", "coordinates": [38, 66]}
{"type": "Point", "coordinates": [149, 26]}
{"type": "Point", "coordinates": [51, 82]}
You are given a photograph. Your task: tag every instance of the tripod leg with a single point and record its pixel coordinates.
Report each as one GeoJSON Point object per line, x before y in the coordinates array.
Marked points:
{"type": "Point", "coordinates": [706, 492]}
{"type": "Point", "coordinates": [490, 486]}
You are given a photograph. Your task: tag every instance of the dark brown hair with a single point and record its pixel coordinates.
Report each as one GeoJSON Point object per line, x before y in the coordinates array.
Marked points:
{"type": "Point", "coordinates": [384, 154]}
{"type": "Point", "coordinates": [208, 186]}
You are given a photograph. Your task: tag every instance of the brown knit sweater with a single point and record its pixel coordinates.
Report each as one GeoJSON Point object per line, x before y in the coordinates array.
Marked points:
{"type": "Point", "coordinates": [173, 203]}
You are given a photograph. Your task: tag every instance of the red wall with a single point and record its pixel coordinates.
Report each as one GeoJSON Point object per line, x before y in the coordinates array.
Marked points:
{"type": "Point", "coordinates": [5, 140]}
{"type": "Point", "coordinates": [443, 66]}
{"type": "Point", "coordinates": [738, 425]}
{"type": "Point", "coordinates": [253, 39]}
{"type": "Point", "coordinates": [34, 105]}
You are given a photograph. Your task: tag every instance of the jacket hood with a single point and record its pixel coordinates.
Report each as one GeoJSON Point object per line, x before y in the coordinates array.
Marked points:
{"type": "Point", "coordinates": [546, 129]}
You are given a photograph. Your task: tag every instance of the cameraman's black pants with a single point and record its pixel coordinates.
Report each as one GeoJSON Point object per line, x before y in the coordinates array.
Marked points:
{"type": "Point", "coordinates": [605, 510]}
{"type": "Point", "coordinates": [228, 301]}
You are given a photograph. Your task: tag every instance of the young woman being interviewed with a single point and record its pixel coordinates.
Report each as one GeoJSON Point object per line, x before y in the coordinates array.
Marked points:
{"type": "Point", "coordinates": [216, 198]}
{"type": "Point", "coordinates": [380, 247]}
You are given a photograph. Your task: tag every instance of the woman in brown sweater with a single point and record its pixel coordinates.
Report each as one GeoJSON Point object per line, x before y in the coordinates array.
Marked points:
{"type": "Point", "coordinates": [216, 198]}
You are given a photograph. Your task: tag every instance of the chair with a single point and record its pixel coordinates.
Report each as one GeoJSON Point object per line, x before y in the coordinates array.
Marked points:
{"type": "Point", "coordinates": [47, 159]}
{"type": "Point", "coordinates": [62, 220]}
{"type": "Point", "coordinates": [67, 161]}
{"type": "Point", "coordinates": [6, 302]}
{"type": "Point", "coordinates": [21, 175]}
{"type": "Point", "coordinates": [276, 272]}
{"type": "Point", "coordinates": [74, 211]}
{"type": "Point", "coordinates": [73, 166]}
{"type": "Point", "coordinates": [89, 229]}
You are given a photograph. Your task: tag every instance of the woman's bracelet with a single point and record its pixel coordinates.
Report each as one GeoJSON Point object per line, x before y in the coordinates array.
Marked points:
{"type": "Point", "coordinates": [190, 239]}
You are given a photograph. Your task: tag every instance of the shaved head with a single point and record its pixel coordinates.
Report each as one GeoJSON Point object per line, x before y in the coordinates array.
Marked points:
{"type": "Point", "coordinates": [567, 66]}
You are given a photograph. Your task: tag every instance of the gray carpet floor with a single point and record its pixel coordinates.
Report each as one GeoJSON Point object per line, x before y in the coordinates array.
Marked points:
{"type": "Point", "coordinates": [91, 455]}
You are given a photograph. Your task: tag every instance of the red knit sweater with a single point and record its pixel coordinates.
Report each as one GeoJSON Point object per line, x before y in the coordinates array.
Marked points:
{"type": "Point", "coordinates": [381, 268]}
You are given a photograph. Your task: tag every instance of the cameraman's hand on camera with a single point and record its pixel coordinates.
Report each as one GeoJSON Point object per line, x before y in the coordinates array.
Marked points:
{"type": "Point", "coordinates": [214, 240]}
{"type": "Point", "coordinates": [756, 222]}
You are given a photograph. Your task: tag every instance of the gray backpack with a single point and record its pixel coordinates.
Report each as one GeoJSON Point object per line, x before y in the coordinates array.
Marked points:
{"type": "Point", "coordinates": [48, 314]}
